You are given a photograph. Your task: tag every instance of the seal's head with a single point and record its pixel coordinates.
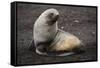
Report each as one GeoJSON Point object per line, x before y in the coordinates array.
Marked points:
{"type": "Point", "coordinates": [50, 15]}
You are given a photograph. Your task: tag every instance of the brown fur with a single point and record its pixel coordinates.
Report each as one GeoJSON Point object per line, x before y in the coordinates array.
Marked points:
{"type": "Point", "coordinates": [64, 41]}
{"type": "Point", "coordinates": [67, 44]}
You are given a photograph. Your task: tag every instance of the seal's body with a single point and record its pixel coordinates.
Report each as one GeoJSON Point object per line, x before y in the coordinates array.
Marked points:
{"type": "Point", "coordinates": [45, 29]}
{"type": "Point", "coordinates": [49, 40]}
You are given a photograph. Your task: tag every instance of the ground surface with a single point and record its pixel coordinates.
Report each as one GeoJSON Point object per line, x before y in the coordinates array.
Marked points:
{"type": "Point", "coordinates": [80, 21]}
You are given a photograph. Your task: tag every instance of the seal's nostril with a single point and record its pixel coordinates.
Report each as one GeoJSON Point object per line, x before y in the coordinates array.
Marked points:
{"type": "Point", "coordinates": [57, 16]}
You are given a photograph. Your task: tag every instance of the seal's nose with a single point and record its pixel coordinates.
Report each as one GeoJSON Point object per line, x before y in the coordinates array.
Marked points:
{"type": "Point", "coordinates": [57, 15]}
{"type": "Point", "coordinates": [54, 19]}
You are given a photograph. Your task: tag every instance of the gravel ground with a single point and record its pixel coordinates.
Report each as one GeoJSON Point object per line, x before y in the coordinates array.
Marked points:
{"type": "Point", "coordinates": [78, 20]}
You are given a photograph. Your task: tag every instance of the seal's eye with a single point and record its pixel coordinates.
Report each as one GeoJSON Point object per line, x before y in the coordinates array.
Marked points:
{"type": "Point", "coordinates": [51, 14]}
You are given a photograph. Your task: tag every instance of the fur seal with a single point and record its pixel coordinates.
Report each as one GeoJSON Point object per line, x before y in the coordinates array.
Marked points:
{"type": "Point", "coordinates": [49, 40]}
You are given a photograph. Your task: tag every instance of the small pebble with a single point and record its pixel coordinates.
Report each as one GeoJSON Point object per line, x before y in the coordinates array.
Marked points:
{"type": "Point", "coordinates": [62, 27]}
{"type": "Point", "coordinates": [79, 33]}
{"type": "Point", "coordinates": [77, 21]}
{"type": "Point", "coordinates": [93, 32]}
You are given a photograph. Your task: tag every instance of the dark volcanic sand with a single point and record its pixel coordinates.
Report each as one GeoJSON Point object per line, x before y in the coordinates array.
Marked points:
{"type": "Point", "coordinates": [80, 21]}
